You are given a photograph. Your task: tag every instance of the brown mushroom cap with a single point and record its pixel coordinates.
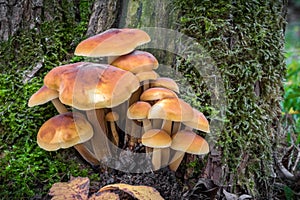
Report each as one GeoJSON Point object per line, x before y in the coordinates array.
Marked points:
{"type": "Point", "coordinates": [89, 86]}
{"type": "Point", "coordinates": [146, 76]}
{"type": "Point", "coordinates": [112, 42]}
{"type": "Point", "coordinates": [63, 131]}
{"type": "Point", "coordinates": [53, 77]}
{"type": "Point", "coordinates": [156, 138]}
{"type": "Point", "coordinates": [157, 93]}
{"type": "Point", "coordinates": [112, 116]}
{"type": "Point", "coordinates": [138, 110]}
{"type": "Point", "coordinates": [43, 95]}
{"type": "Point", "coordinates": [198, 121]}
{"type": "Point", "coordinates": [189, 142]}
{"type": "Point", "coordinates": [136, 61]}
{"type": "Point", "coordinates": [166, 83]}
{"type": "Point", "coordinates": [173, 109]}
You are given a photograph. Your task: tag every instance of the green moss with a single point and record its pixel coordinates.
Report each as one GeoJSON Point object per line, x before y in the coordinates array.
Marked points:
{"type": "Point", "coordinates": [27, 171]}
{"type": "Point", "coordinates": [245, 41]}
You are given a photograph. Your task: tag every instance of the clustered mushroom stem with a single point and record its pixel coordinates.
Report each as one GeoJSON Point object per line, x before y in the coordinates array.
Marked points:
{"type": "Point", "coordinates": [146, 125]}
{"type": "Point", "coordinates": [165, 152]}
{"type": "Point", "coordinates": [134, 134]}
{"type": "Point", "coordinates": [87, 154]}
{"type": "Point", "coordinates": [61, 108]}
{"type": "Point", "coordinates": [146, 85]}
{"type": "Point", "coordinates": [175, 127]}
{"type": "Point", "coordinates": [156, 158]}
{"type": "Point", "coordinates": [99, 140]}
{"type": "Point", "coordinates": [114, 133]}
{"type": "Point", "coordinates": [176, 160]}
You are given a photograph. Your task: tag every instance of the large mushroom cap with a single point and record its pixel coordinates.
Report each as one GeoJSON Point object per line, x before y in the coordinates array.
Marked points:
{"type": "Point", "coordinates": [138, 110]}
{"type": "Point", "coordinates": [113, 42]}
{"type": "Point", "coordinates": [173, 109]}
{"type": "Point", "coordinates": [88, 86]}
{"type": "Point", "coordinates": [198, 121]}
{"type": "Point", "coordinates": [53, 77]}
{"type": "Point", "coordinates": [136, 61]}
{"type": "Point", "coordinates": [189, 142]}
{"type": "Point", "coordinates": [157, 93]}
{"type": "Point", "coordinates": [63, 131]}
{"type": "Point", "coordinates": [156, 138]}
{"type": "Point", "coordinates": [43, 95]}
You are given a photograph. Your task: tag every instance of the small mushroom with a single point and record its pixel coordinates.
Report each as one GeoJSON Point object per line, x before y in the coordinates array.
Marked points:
{"type": "Point", "coordinates": [67, 130]}
{"type": "Point", "coordinates": [112, 117]}
{"type": "Point", "coordinates": [156, 139]}
{"type": "Point", "coordinates": [136, 62]}
{"type": "Point", "coordinates": [198, 122]}
{"type": "Point", "coordinates": [166, 83]}
{"type": "Point", "coordinates": [186, 141]}
{"type": "Point", "coordinates": [145, 77]}
{"type": "Point", "coordinates": [170, 110]}
{"type": "Point", "coordinates": [44, 95]}
{"type": "Point", "coordinates": [138, 111]}
{"type": "Point", "coordinates": [152, 95]}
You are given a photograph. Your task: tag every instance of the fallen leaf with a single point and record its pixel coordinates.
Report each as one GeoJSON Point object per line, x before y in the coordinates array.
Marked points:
{"type": "Point", "coordinates": [104, 196]}
{"type": "Point", "coordinates": [139, 192]}
{"type": "Point", "coordinates": [76, 189]}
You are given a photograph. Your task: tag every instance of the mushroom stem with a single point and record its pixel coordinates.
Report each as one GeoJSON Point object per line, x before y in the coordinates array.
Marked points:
{"type": "Point", "coordinates": [157, 123]}
{"type": "Point", "coordinates": [146, 125]}
{"type": "Point", "coordinates": [167, 126]}
{"type": "Point", "coordinates": [61, 108]}
{"type": "Point", "coordinates": [176, 160]}
{"type": "Point", "coordinates": [114, 133]}
{"type": "Point", "coordinates": [99, 140]}
{"type": "Point", "coordinates": [165, 152]}
{"type": "Point", "coordinates": [146, 85]}
{"type": "Point", "coordinates": [87, 155]}
{"type": "Point", "coordinates": [156, 158]}
{"type": "Point", "coordinates": [175, 127]}
{"type": "Point", "coordinates": [134, 134]}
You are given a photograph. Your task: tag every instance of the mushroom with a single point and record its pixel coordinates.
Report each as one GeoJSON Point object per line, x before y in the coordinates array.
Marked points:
{"type": "Point", "coordinates": [170, 110]}
{"type": "Point", "coordinates": [157, 93]}
{"type": "Point", "coordinates": [145, 77]}
{"type": "Point", "coordinates": [112, 43]}
{"type": "Point", "coordinates": [166, 83]}
{"type": "Point", "coordinates": [186, 141]}
{"type": "Point", "coordinates": [112, 117]}
{"type": "Point", "coordinates": [67, 130]}
{"type": "Point", "coordinates": [93, 87]}
{"type": "Point", "coordinates": [156, 139]}
{"type": "Point", "coordinates": [139, 111]}
{"type": "Point", "coordinates": [198, 122]}
{"type": "Point", "coordinates": [136, 62]}
{"type": "Point", "coordinates": [44, 95]}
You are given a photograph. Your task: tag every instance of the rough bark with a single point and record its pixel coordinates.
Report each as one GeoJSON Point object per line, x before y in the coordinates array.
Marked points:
{"type": "Point", "coordinates": [16, 15]}
{"type": "Point", "coordinates": [104, 16]}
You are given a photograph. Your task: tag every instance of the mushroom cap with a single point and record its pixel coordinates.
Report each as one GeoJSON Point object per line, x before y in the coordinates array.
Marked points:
{"type": "Point", "coordinates": [53, 77]}
{"type": "Point", "coordinates": [113, 42]}
{"type": "Point", "coordinates": [111, 116]}
{"type": "Point", "coordinates": [198, 121]}
{"type": "Point", "coordinates": [156, 138]}
{"type": "Point", "coordinates": [136, 61]}
{"type": "Point", "coordinates": [148, 75]}
{"type": "Point", "coordinates": [173, 109]}
{"type": "Point", "coordinates": [63, 131]}
{"type": "Point", "coordinates": [189, 142]}
{"type": "Point", "coordinates": [88, 86]}
{"type": "Point", "coordinates": [138, 110]}
{"type": "Point", "coordinates": [166, 83]}
{"type": "Point", "coordinates": [157, 93]}
{"type": "Point", "coordinates": [43, 95]}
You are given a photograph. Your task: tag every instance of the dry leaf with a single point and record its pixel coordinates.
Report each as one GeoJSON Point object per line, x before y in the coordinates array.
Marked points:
{"type": "Point", "coordinates": [104, 196]}
{"type": "Point", "coordinates": [76, 189]}
{"type": "Point", "coordinates": [139, 192]}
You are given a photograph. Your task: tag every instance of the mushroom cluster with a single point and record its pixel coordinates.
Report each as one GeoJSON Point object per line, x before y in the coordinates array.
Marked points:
{"type": "Point", "coordinates": [122, 103]}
